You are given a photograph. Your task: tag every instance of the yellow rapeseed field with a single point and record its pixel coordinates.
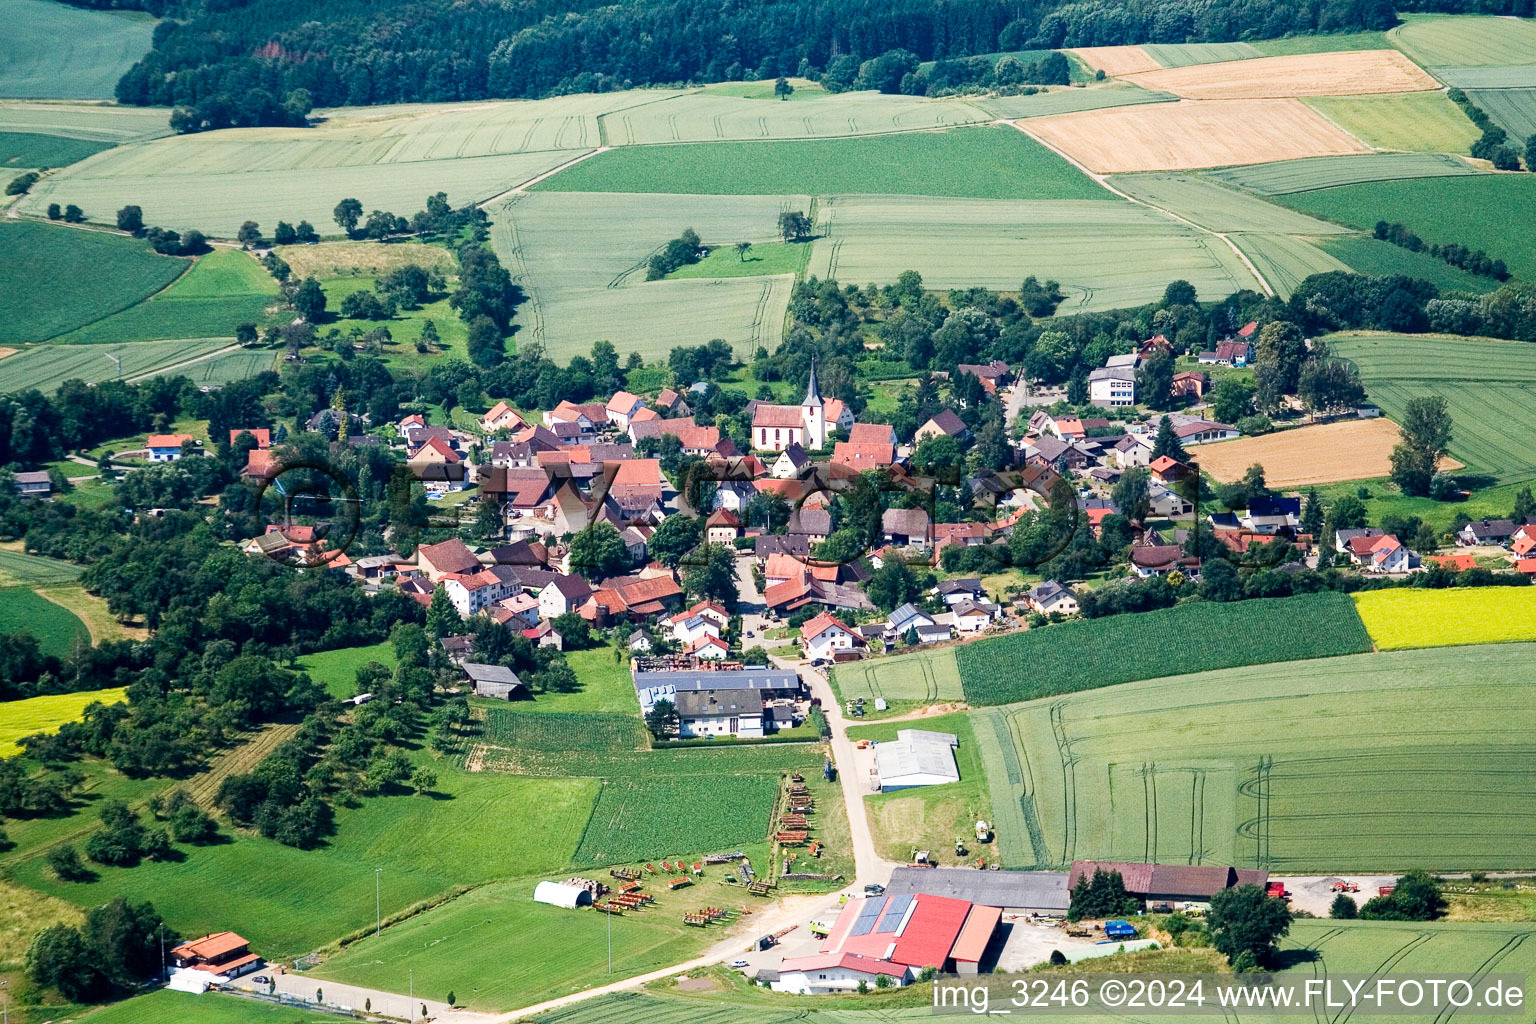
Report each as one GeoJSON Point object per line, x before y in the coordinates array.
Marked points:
{"type": "Point", "coordinates": [20, 718]}
{"type": "Point", "coordinates": [1444, 618]}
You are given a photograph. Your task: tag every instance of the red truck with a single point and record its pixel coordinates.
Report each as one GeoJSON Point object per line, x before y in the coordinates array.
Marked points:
{"type": "Point", "coordinates": [1276, 890]}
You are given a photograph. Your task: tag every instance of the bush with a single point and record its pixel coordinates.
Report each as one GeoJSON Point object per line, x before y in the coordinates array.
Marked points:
{"type": "Point", "coordinates": [1343, 908]}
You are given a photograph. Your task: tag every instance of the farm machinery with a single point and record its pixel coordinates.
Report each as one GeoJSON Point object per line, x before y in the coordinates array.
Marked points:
{"type": "Point", "coordinates": [983, 831]}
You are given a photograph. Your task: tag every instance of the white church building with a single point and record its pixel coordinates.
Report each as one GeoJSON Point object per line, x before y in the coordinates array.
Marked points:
{"type": "Point", "coordinates": [776, 427]}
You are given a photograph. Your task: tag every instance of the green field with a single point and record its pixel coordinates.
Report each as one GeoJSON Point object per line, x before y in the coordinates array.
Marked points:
{"type": "Point", "coordinates": [337, 670]}
{"type": "Point", "coordinates": [54, 51]}
{"type": "Point", "coordinates": [1198, 199]}
{"type": "Point", "coordinates": [990, 163]}
{"type": "Point", "coordinates": [34, 149]}
{"type": "Point", "coordinates": [56, 628]}
{"type": "Point", "coordinates": [17, 567]}
{"type": "Point", "coordinates": [1368, 762]}
{"type": "Point", "coordinates": [1325, 43]}
{"type": "Point", "coordinates": [1492, 212]}
{"type": "Point", "coordinates": [763, 258]}
{"type": "Point", "coordinates": [1438, 41]}
{"type": "Point", "coordinates": [1105, 255]}
{"type": "Point", "coordinates": [1486, 385]}
{"type": "Point", "coordinates": [90, 121]}
{"type": "Point", "coordinates": [1417, 122]}
{"type": "Point", "coordinates": [1091, 653]}
{"type": "Point", "coordinates": [112, 273]}
{"type": "Point", "coordinates": [580, 258]}
{"type": "Point", "coordinates": [1367, 255]}
{"type": "Point", "coordinates": [1288, 176]}
{"type": "Point", "coordinates": [1514, 110]}
{"type": "Point", "coordinates": [223, 289]}
{"type": "Point", "coordinates": [1286, 260]}
{"type": "Point", "coordinates": [45, 367]}
{"type": "Point", "coordinates": [229, 367]}
{"type": "Point", "coordinates": [560, 730]}
{"type": "Point", "coordinates": [651, 818]}
{"type": "Point", "coordinates": [923, 675]}
{"type": "Point", "coordinates": [606, 685]}
{"type": "Point", "coordinates": [167, 1007]}
{"type": "Point", "coordinates": [1410, 617]}
{"type": "Point", "coordinates": [1069, 101]}
{"type": "Point", "coordinates": [1178, 55]}
{"type": "Point", "coordinates": [46, 714]}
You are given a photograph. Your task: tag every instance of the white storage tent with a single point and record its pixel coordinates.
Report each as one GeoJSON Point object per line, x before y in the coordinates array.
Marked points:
{"type": "Point", "coordinates": [557, 894]}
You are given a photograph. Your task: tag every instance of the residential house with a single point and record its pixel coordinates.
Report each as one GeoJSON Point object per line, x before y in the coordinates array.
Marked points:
{"type": "Point", "coordinates": [964, 534]}
{"type": "Point", "coordinates": [502, 417]}
{"type": "Point", "coordinates": [825, 638]}
{"type": "Point", "coordinates": [1232, 352]}
{"type": "Point", "coordinates": [1167, 470]}
{"type": "Point", "coordinates": [872, 433]}
{"type": "Point", "coordinates": [1192, 430]}
{"type": "Point", "coordinates": [1051, 598]}
{"type": "Point", "coordinates": [726, 712]}
{"type": "Point", "coordinates": [791, 462]}
{"type": "Point", "coordinates": [449, 556]}
{"type": "Point", "coordinates": [621, 407]}
{"type": "Point", "coordinates": [689, 626]}
{"type": "Point", "coordinates": [1344, 539]}
{"type": "Point", "coordinates": [261, 435]}
{"type": "Point", "coordinates": [36, 484]}
{"type": "Point", "coordinates": [906, 527]}
{"type": "Point", "coordinates": [220, 954]}
{"type": "Point", "coordinates": [814, 524]}
{"type": "Point", "coordinates": [586, 418]}
{"type": "Point", "coordinates": [771, 682]}
{"type": "Point", "coordinates": [635, 597]}
{"type": "Point", "coordinates": [974, 616]}
{"type": "Point", "coordinates": [1523, 541]}
{"type": "Point", "coordinates": [473, 592]}
{"type": "Point", "coordinates": [1383, 554]}
{"type": "Point", "coordinates": [563, 594]}
{"type": "Point", "coordinates": [944, 423]}
{"type": "Point", "coordinates": [1112, 387]}
{"type": "Point", "coordinates": [955, 591]}
{"type": "Point", "coordinates": [993, 376]}
{"type": "Point", "coordinates": [166, 447]}
{"type": "Point", "coordinates": [672, 403]}
{"type": "Point", "coordinates": [1272, 515]}
{"type": "Point", "coordinates": [907, 617]}
{"type": "Point", "coordinates": [794, 594]}
{"type": "Point", "coordinates": [708, 648]}
{"type": "Point", "coordinates": [1455, 563]}
{"type": "Point", "coordinates": [857, 457]}
{"type": "Point", "coordinates": [439, 468]}
{"type": "Point", "coordinates": [1160, 559]}
{"type": "Point", "coordinates": [1130, 451]}
{"type": "Point", "coordinates": [545, 635]}
{"type": "Point", "coordinates": [1486, 531]}
{"type": "Point", "coordinates": [722, 527]}
{"type": "Point", "coordinates": [1167, 503]}
{"type": "Point", "coordinates": [639, 640]}
{"type": "Point", "coordinates": [1190, 384]}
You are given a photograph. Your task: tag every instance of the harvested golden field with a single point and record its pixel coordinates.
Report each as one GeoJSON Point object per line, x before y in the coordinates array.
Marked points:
{"type": "Point", "coordinates": [1323, 454]}
{"type": "Point", "coordinates": [364, 259]}
{"type": "Point", "coordinates": [1186, 135]}
{"type": "Point", "coordinates": [1353, 73]}
{"type": "Point", "coordinates": [1116, 60]}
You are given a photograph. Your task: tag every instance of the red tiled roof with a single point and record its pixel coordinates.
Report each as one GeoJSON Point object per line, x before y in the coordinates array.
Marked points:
{"type": "Point", "coordinates": [1527, 566]}
{"type": "Point", "coordinates": [722, 517]}
{"type": "Point", "coordinates": [863, 456]}
{"type": "Point", "coordinates": [438, 445]}
{"type": "Point", "coordinates": [168, 440]}
{"type": "Point", "coordinates": [262, 435]}
{"type": "Point", "coordinates": [870, 433]}
{"type": "Point", "coordinates": [1247, 329]}
{"type": "Point", "coordinates": [820, 624]}
{"type": "Point", "coordinates": [1455, 563]}
{"type": "Point", "coordinates": [210, 946]}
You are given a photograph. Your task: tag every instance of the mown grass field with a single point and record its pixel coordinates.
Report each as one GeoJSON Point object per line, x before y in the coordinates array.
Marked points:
{"type": "Point", "coordinates": [1420, 122]}
{"type": "Point", "coordinates": [606, 686]}
{"type": "Point", "coordinates": [1367, 255]}
{"type": "Point", "coordinates": [56, 51]}
{"type": "Point", "coordinates": [1287, 176]}
{"type": "Point", "coordinates": [580, 259]}
{"type": "Point", "coordinates": [46, 714]}
{"type": "Point", "coordinates": [337, 670]}
{"type": "Point", "coordinates": [923, 675]}
{"type": "Point", "coordinates": [56, 628]}
{"type": "Point", "coordinates": [1090, 653]}
{"type": "Point", "coordinates": [763, 258]}
{"type": "Point", "coordinates": [167, 1007]}
{"type": "Point", "coordinates": [1368, 762]}
{"type": "Point", "coordinates": [1439, 41]}
{"type": "Point", "coordinates": [18, 567]}
{"type": "Point", "coordinates": [224, 289]}
{"type": "Point", "coordinates": [1485, 384]}
{"type": "Point", "coordinates": [990, 162]}
{"type": "Point", "coordinates": [1492, 212]}
{"type": "Point", "coordinates": [1403, 618]}
{"type": "Point", "coordinates": [22, 150]}
{"type": "Point", "coordinates": [25, 912]}
{"type": "Point", "coordinates": [109, 273]}
{"type": "Point", "coordinates": [1105, 255]}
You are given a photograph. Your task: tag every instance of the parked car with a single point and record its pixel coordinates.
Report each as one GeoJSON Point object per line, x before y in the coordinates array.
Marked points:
{"type": "Point", "coordinates": [874, 890]}
{"type": "Point", "coordinates": [739, 964]}
{"type": "Point", "coordinates": [262, 979]}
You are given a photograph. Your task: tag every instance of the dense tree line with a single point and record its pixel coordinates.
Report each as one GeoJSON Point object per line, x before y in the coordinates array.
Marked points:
{"type": "Point", "coordinates": [263, 61]}
{"type": "Point", "coordinates": [1473, 261]}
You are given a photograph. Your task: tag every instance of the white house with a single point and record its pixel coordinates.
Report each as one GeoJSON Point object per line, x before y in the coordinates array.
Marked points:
{"type": "Point", "coordinates": [622, 406]}
{"type": "Point", "coordinates": [720, 713]}
{"type": "Point", "coordinates": [166, 447]}
{"type": "Point", "coordinates": [790, 463]}
{"type": "Point", "coordinates": [1165, 502]}
{"type": "Point", "coordinates": [1112, 387]}
{"type": "Point", "coordinates": [1051, 596]}
{"type": "Point", "coordinates": [824, 637]}
{"type": "Point", "coordinates": [708, 648]}
{"type": "Point", "coordinates": [688, 627]}
{"type": "Point", "coordinates": [472, 593]}
{"type": "Point", "coordinates": [907, 617]}
{"type": "Point", "coordinates": [824, 973]}
{"type": "Point", "coordinates": [501, 417]}
{"type": "Point", "coordinates": [974, 616]}
{"type": "Point", "coordinates": [563, 594]}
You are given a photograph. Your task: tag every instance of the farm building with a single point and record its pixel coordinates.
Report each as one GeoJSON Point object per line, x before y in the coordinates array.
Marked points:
{"type": "Point", "coordinates": [1013, 892]}
{"type": "Point", "coordinates": [917, 757]}
{"type": "Point", "coordinates": [895, 936]}
{"type": "Point", "coordinates": [1173, 884]}
{"type": "Point", "coordinates": [220, 954]}
{"type": "Point", "coordinates": [32, 485]}
{"type": "Point", "coordinates": [557, 894]}
{"type": "Point", "coordinates": [495, 681]}
{"type": "Point", "coordinates": [720, 713]}
{"type": "Point", "coordinates": [774, 683]}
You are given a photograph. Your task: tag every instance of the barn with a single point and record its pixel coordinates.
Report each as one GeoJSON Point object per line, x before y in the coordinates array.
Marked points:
{"type": "Point", "coordinates": [557, 894]}
{"type": "Point", "coordinates": [916, 757]}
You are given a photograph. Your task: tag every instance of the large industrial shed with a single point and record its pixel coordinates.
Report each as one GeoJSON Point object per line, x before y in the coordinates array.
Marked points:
{"type": "Point", "coordinates": [559, 895]}
{"type": "Point", "coordinates": [916, 757]}
{"type": "Point", "coordinates": [1014, 892]}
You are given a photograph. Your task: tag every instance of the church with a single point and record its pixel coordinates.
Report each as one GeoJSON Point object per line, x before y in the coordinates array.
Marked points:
{"type": "Point", "coordinates": [776, 427]}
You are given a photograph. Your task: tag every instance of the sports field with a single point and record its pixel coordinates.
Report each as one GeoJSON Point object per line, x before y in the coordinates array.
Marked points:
{"type": "Point", "coordinates": [1285, 260]}
{"type": "Point", "coordinates": [57, 628]}
{"type": "Point", "coordinates": [45, 367]}
{"type": "Point", "coordinates": [580, 256]}
{"type": "Point", "coordinates": [992, 162]}
{"type": "Point", "coordinates": [1370, 762]}
{"type": "Point", "coordinates": [1444, 618]}
{"type": "Point", "coordinates": [1214, 206]}
{"type": "Point", "coordinates": [1106, 255]}
{"type": "Point", "coordinates": [1322, 454]}
{"type": "Point", "coordinates": [1187, 135]}
{"type": "Point", "coordinates": [1492, 212]}
{"type": "Point", "coordinates": [46, 714]}
{"type": "Point", "coordinates": [1419, 122]}
{"type": "Point", "coordinates": [1514, 110]}
{"type": "Point", "coordinates": [1438, 41]}
{"type": "Point", "coordinates": [1321, 74]}
{"type": "Point", "coordinates": [224, 289]}
{"type": "Point", "coordinates": [923, 675]}
{"type": "Point", "coordinates": [56, 51]}
{"type": "Point", "coordinates": [1486, 385]}
{"type": "Point", "coordinates": [1288, 176]}
{"type": "Point", "coordinates": [109, 273]}
{"type": "Point", "coordinates": [1086, 654]}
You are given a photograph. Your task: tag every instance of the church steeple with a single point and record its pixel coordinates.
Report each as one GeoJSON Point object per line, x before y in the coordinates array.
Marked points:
{"type": "Point", "coordinates": [812, 392]}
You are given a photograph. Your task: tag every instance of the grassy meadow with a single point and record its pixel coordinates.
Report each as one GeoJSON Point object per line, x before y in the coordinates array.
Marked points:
{"type": "Point", "coordinates": [988, 162]}
{"type": "Point", "coordinates": [111, 272]}
{"type": "Point", "coordinates": [224, 289]}
{"type": "Point", "coordinates": [1367, 255]}
{"type": "Point", "coordinates": [18, 567]}
{"type": "Point", "coordinates": [1439, 41]}
{"type": "Point", "coordinates": [56, 51]}
{"type": "Point", "coordinates": [46, 714]}
{"type": "Point", "coordinates": [337, 670]}
{"type": "Point", "coordinates": [45, 367]}
{"type": "Point", "coordinates": [1368, 762]}
{"type": "Point", "coordinates": [646, 819]}
{"type": "Point", "coordinates": [763, 258]}
{"type": "Point", "coordinates": [924, 675]}
{"type": "Point", "coordinates": [24, 150]}
{"type": "Point", "coordinates": [1415, 122]}
{"type": "Point", "coordinates": [56, 628]}
{"type": "Point", "coordinates": [1092, 653]}
{"type": "Point", "coordinates": [1403, 618]}
{"type": "Point", "coordinates": [167, 1007]}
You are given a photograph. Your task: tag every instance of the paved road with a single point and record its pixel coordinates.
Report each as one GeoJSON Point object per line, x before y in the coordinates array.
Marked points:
{"type": "Point", "coordinates": [348, 997]}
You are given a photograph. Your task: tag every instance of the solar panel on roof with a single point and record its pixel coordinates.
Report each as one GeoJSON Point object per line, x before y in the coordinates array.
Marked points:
{"type": "Point", "coordinates": [868, 915]}
{"type": "Point", "coordinates": [893, 913]}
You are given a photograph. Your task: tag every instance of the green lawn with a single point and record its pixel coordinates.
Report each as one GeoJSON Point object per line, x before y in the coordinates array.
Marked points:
{"type": "Point", "coordinates": [986, 162]}
{"type": "Point", "coordinates": [167, 1007]}
{"type": "Point", "coordinates": [337, 670]}
{"type": "Point", "coordinates": [764, 258]}
{"type": "Point", "coordinates": [56, 628]}
{"type": "Point", "coordinates": [224, 289]}
{"type": "Point", "coordinates": [105, 273]}
{"type": "Point", "coordinates": [805, 89]}
{"type": "Point", "coordinates": [606, 686]}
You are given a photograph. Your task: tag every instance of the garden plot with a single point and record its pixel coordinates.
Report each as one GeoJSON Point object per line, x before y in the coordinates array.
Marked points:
{"type": "Point", "coordinates": [1306, 74]}
{"type": "Point", "coordinates": [1322, 454]}
{"type": "Point", "coordinates": [1288, 176]}
{"type": "Point", "coordinates": [1187, 135]}
{"type": "Point", "coordinates": [1368, 762]}
{"type": "Point", "coordinates": [712, 117]}
{"type": "Point", "coordinates": [579, 257]}
{"type": "Point", "coordinates": [1106, 255]}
